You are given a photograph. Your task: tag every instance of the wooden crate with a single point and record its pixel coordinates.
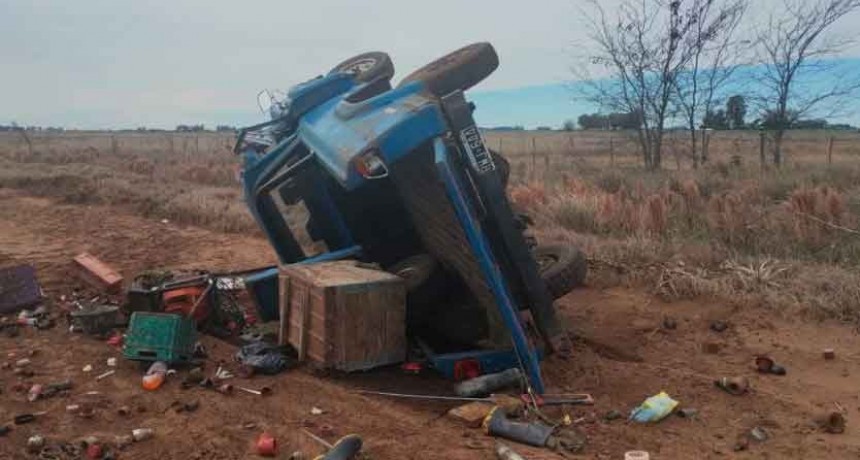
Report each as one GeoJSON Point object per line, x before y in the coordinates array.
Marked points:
{"type": "Point", "coordinates": [344, 317]}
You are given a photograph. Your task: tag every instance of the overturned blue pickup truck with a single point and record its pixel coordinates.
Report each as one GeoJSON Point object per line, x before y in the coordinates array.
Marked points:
{"type": "Point", "coordinates": [400, 177]}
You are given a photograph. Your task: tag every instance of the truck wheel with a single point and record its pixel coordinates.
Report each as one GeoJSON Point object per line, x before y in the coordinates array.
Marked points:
{"type": "Point", "coordinates": [461, 69]}
{"type": "Point", "coordinates": [367, 66]}
{"type": "Point", "coordinates": [562, 268]}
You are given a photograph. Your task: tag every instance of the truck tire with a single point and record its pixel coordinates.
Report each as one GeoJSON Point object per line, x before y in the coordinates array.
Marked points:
{"type": "Point", "coordinates": [459, 70]}
{"type": "Point", "coordinates": [367, 67]}
{"type": "Point", "coordinates": [562, 268]}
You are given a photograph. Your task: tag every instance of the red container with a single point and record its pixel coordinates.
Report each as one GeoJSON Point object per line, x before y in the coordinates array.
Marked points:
{"type": "Point", "coordinates": [266, 445]}
{"type": "Point", "coordinates": [181, 301]}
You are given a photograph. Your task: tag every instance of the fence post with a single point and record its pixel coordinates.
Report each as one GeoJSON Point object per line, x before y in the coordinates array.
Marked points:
{"type": "Point", "coordinates": [761, 143]}
{"type": "Point", "coordinates": [830, 151]}
{"type": "Point", "coordinates": [611, 152]}
{"type": "Point", "coordinates": [114, 145]}
{"type": "Point", "coordinates": [534, 155]}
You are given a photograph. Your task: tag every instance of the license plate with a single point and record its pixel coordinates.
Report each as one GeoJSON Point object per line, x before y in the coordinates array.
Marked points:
{"type": "Point", "coordinates": [477, 153]}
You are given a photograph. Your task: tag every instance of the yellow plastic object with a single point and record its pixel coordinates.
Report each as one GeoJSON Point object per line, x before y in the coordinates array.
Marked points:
{"type": "Point", "coordinates": [654, 409]}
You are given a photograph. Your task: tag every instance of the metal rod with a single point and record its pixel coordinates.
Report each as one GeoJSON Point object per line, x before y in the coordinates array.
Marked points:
{"type": "Point", "coordinates": [429, 397]}
{"type": "Point", "coordinates": [318, 439]}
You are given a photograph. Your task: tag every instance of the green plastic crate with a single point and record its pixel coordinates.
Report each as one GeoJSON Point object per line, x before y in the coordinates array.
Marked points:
{"type": "Point", "coordinates": [160, 337]}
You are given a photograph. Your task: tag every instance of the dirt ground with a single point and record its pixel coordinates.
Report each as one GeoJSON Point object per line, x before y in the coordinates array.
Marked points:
{"type": "Point", "coordinates": [621, 356]}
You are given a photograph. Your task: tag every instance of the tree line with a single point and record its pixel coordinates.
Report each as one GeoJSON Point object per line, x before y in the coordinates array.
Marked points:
{"type": "Point", "coordinates": [658, 61]}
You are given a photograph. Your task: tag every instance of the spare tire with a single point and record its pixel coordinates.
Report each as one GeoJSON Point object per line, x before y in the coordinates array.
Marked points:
{"type": "Point", "coordinates": [367, 67]}
{"type": "Point", "coordinates": [459, 70]}
{"type": "Point", "coordinates": [562, 268]}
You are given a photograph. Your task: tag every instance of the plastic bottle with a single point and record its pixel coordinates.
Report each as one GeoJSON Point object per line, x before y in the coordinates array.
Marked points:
{"type": "Point", "coordinates": [155, 376]}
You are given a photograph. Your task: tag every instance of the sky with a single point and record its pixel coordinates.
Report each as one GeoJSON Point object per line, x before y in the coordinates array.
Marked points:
{"type": "Point", "coordinates": [123, 64]}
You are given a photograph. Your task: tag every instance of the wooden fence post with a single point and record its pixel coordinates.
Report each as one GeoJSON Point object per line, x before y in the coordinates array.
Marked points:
{"type": "Point", "coordinates": [534, 155]}
{"type": "Point", "coordinates": [611, 152]}
{"type": "Point", "coordinates": [762, 159]}
{"type": "Point", "coordinates": [830, 151]}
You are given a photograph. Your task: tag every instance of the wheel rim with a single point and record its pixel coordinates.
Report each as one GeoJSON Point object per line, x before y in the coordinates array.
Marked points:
{"type": "Point", "coordinates": [359, 66]}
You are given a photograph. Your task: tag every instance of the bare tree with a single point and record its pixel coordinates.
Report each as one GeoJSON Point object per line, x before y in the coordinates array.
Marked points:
{"type": "Point", "coordinates": [795, 44]}
{"type": "Point", "coordinates": [643, 48]}
{"type": "Point", "coordinates": [715, 56]}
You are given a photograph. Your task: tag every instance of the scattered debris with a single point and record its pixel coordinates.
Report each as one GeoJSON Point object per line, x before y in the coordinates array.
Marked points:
{"type": "Point", "coordinates": [222, 374]}
{"type": "Point", "coordinates": [94, 451]}
{"type": "Point", "coordinates": [486, 384]}
{"type": "Point", "coordinates": [265, 358]}
{"type": "Point", "coordinates": [27, 418]}
{"type": "Point", "coordinates": [612, 415]}
{"type": "Point", "coordinates": [87, 368]}
{"type": "Point", "coordinates": [504, 452]}
{"type": "Point", "coordinates": [316, 411]}
{"type": "Point", "coordinates": [19, 287]}
{"type": "Point", "coordinates": [35, 443]}
{"type": "Point", "coordinates": [567, 439]}
{"type": "Point", "coordinates": [35, 392]}
{"type": "Point", "coordinates": [574, 399]}
{"type": "Point", "coordinates": [122, 441]}
{"type": "Point", "coordinates": [719, 325]}
{"type": "Point", "coordinates": [142, 434]}
{"type": "Point", "coordinates": [96, 273]}
{"type": "Point", "coordinates": [266, 445]}
{"type": "Point", "coordinates": [736, 386]}
{"type": "Point", "coordinates": [654, 409]}
{"type": "Point", "coordinates": [687, 412]}
{"type": "Point", "coordinates": [111, 362]}
{"type": "Point", "coordinates": [123, 411]}
{"type": "Point", "coordinates": [105, 375]}
{"type": "Point", "coordinates": [759, 434]}
{"type": "Point", "coordinates": [636, 455]}
{"type": "Point", "coordinates": [264, 391]}
{"type": "Point", "coordinates": [829, 354]}
{"type": "Point", "coordinates": [531, 433]}
{"type": "Point", "coordinates": [224, 388]}
{"type": "Point", "coordinates": [766, 365]}
{"type": "Point", "coordinates": [471, 414]}
{"type": "Point", "coordinates": [97, 320]}
{"type": "Point", "coordinates": [154, 376]}
{"type": "Point", "coordinates": [831, 422]}
{"type": "Point", "coordinates": [189, 406]}
{"type": "Point", "coordinates": [4, 430]}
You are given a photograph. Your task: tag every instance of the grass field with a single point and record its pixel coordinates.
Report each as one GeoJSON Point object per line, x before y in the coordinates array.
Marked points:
{"type": "Point", "coordinates": [732, 229]}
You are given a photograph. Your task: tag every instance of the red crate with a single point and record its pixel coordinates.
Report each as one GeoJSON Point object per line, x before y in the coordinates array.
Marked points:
{"type": "Point", "coordinates": [97, 273]}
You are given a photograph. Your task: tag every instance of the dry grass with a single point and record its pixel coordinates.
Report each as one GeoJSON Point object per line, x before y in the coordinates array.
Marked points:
{"type": "Point", "coordinates": [784, 238]}
{"type": "Point", "coordinates": [186, 178]}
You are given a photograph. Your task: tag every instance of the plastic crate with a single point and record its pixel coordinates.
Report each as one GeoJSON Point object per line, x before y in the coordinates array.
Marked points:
{"type": "Point", "coordinates": [160, 337]}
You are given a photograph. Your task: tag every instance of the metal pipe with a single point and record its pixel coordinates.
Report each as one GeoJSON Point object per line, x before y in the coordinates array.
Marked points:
{"type": "Point", "coordinates": [426, 397]}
